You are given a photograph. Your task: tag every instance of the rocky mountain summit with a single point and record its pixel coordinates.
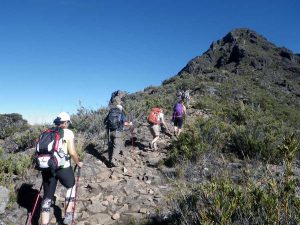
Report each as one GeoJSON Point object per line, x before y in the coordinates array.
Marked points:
{"type": "Point", "coordinates": [243, 52]}
{"type": "Point", "coordinates": [245, 97]}
{"type": "Point", "coordinates": [241, 49]}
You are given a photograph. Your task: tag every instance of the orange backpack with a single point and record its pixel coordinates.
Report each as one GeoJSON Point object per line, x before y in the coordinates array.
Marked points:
{"type": "Point", "coordinates": [153, 117]}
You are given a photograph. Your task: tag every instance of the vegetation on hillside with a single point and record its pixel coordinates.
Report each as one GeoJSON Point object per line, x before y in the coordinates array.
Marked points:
{"type": "Point", "coordinates": [224, 162]}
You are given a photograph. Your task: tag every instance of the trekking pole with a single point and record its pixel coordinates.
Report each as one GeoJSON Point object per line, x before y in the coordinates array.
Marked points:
{"type": "Point", "coordinates": [74, 207]}
{"type": "Point", "coordinates": [35, 205]}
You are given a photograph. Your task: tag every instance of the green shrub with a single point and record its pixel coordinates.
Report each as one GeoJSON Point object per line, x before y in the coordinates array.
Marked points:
{"type": "Point", "coordinates": [188, 146]}
{"type": "Point", "coordinates": [264, 200]}
{"type": "Point", "coordinates": [11, 123]}
{"type": "Point", "coordinates": [259, 137]}
{"type": "Point", "coordinates": [89, 121]}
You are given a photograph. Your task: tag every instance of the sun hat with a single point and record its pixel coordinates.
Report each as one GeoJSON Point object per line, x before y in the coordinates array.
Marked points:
{"type": "Point", "coordinates": [62, 117]}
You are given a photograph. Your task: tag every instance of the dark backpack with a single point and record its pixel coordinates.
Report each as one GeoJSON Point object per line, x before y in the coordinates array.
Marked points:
{"type": "Point", "coordinates": [178, 110]}
{"type": "Point", "coordinates": [49, 155]}
{"type": "Point", "coordinates": [114, 119]}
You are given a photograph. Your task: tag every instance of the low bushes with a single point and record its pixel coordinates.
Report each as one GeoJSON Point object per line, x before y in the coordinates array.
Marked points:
{"type": "Point", "coordinates": [269, 199]}
{"type": "Point", "coordinates": [11, 123]}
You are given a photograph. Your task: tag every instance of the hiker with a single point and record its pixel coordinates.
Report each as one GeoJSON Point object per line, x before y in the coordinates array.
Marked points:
{"type": "Point", "coordinates": [186, 97]}
{"type": "Point", "coordinates": [179, 94]}
{"type": "Point", "coordinates": [115, 122]}
{"type": "Point", "coordinates": [155, 120]}
{"type": "Point", "coordinates": [65, 175]}
{"type": "Point", "coordinates": [179, 110]}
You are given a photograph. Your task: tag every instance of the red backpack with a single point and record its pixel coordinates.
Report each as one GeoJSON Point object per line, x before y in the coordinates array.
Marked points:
{"type": "Point", "coordinates": [153, 116]}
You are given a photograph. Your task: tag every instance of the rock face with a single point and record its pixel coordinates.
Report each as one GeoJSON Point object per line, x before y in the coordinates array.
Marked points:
{"type": "Point", "coordinates": [244, 48]}
{"type": "Point", "coordinates": [244, 53]}
{"type": "Point", "coordinates": [4, 199]}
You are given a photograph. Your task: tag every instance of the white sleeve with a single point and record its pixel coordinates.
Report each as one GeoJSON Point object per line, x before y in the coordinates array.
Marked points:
{"type": "Point", "coordinates": [161, 117]}
{"type": "Point", "coordinates": [68, 134]}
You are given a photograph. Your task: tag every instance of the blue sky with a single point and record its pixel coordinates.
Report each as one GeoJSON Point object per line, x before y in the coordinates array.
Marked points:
{"type": "Point", "coordinates": [57, 53]}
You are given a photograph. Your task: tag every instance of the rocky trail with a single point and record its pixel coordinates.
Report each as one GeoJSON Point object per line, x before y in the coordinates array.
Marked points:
{"type": "Point", "coordinates": [131, 192]}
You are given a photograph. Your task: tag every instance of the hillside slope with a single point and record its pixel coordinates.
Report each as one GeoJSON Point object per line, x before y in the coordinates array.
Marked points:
{"type": "Point", "coordinates": [245, 98]}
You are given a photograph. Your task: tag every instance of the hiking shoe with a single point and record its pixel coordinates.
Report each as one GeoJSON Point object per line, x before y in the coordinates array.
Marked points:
{"type": "Point", "coordinates": [68, 218]}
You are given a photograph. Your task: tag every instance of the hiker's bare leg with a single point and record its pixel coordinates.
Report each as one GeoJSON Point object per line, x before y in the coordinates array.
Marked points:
{"type": "Point", "coordinates": [179, 131]}
{"type": "Point", "coordinates": [69, 200]}
{"type": "Point", "coordinates": [176, 131]}
{"type": "Point", "coordinates": [155, 130]}
{"type": "Point", "coordinates": [153, 142]}
{"type": "Point", "coordinates": [46, 203]}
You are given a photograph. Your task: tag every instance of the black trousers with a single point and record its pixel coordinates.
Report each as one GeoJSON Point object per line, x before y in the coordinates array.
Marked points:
{"type": "Point", "coordinates": [65, 176]}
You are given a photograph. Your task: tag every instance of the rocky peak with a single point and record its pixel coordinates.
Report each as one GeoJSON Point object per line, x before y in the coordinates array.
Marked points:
{"type": "Point", "coordinates": [242, 49]}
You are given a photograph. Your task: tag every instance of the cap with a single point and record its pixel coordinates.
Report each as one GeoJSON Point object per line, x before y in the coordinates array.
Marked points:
{"type": "Point", "coordinates": [119, 107]}
{"type": "Point", "coordinates": [63, 116]}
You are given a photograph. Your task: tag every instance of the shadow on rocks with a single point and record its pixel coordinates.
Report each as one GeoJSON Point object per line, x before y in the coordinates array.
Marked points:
{"type": "Point", "coordinates": [133, 142]}
{"type": "Point", "coordinates": [26, 198]}
{"type": "Point", "coordinates": [91, 149]}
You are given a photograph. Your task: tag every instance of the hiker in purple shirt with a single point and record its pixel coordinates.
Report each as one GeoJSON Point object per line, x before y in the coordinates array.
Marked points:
{"type": "Point", "coordinates": [179, 111]}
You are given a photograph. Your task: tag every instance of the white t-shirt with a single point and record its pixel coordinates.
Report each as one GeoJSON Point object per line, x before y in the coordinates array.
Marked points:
{"type": "Point", "coordinates": [161, 117]}
{"type": "Point", "coordinates": [68, 136]}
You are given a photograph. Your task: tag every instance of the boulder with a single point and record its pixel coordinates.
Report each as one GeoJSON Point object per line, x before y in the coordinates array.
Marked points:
{"type": "Point", "coordinates": [4, 199]}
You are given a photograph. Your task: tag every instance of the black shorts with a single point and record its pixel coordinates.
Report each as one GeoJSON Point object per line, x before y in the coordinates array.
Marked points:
{"type": "Point", "coordinates": [65, 176]}
{"type": "Point", "coordinates": [178, 121]}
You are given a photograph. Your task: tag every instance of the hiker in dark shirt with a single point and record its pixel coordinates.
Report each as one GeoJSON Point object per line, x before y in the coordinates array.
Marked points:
{"type": "Point", "coordinates": [115, 122]}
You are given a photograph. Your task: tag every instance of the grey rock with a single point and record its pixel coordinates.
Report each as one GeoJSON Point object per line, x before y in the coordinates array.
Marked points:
{"type": "Point", "coordinates": [4, 199]}
{"type": "Point", "coordinates": [101, 218]}
{"type": "Point", "coordinates": [96, 207]}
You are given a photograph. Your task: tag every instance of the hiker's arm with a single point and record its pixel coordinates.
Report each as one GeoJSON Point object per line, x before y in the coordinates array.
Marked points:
{"type": "Point", "coordinates": [164, 124]}
{"type": "Point", "coordinates": [125, 121]}
{"type": "Point", "coordinates": [73, 153]}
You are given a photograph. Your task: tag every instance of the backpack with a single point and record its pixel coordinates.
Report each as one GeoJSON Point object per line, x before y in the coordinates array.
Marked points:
{"type": "Point", "coordinates": [153, 116]}
{"type": "Point", "coordinates": [49, 155]}
{"type": "Point", "coordinates": [178, 110]}
{"type": "Point", "coordinates": [114, 119]}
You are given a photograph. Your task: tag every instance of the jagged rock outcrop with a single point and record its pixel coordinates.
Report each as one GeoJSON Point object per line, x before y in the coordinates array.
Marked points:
{"type": "Point", "coordinates": [244, 48]}
{"type": "Point", "coordinates": [243, 52]}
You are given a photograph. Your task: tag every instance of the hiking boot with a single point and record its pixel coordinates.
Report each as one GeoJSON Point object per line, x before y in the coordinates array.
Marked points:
{"type": "Point", "coordinates": [68, 218]}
